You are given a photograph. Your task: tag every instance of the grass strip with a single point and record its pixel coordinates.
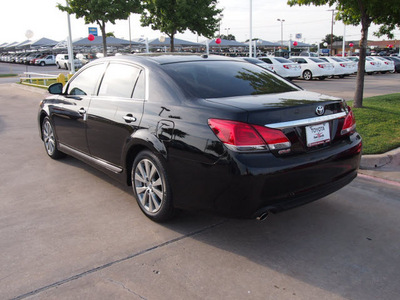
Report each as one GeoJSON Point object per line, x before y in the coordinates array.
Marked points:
{"type": "Point", "coordinates": [378, 123]}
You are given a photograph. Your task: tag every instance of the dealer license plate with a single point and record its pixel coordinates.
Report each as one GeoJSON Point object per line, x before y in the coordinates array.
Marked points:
{"type": "Point", "coordinates": [317, 134]}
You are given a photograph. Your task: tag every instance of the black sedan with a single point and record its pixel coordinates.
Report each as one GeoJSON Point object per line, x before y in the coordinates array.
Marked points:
{"type": "Point", "coordinates": [204, 133]}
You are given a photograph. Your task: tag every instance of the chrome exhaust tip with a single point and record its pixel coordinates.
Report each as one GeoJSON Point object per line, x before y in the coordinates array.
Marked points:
{"type": "Point", "coordinates": [262, 216]}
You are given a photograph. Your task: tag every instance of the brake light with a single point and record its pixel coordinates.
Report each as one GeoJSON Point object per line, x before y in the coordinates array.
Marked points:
{"type": "Point", "coordinates": [372, 63]}
{"type": "Point", "coordinates": [243, 137]}
{"type": "Point", "coordinates": [386, 63]}
{"type": "Point", "coordinates": [349, 124]}
{"type": "Point", "coordinates": [286, 67]}
{"type": "Point", "coordinates": [321, 66]}
{"type": "Point", "coordinates": [343, 65]}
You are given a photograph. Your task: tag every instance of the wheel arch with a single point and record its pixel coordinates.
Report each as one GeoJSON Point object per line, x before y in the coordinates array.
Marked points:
{"type": "Point", "coordinates": [42, 115]}
{"type": "Point", "coordinates": [139, 142]}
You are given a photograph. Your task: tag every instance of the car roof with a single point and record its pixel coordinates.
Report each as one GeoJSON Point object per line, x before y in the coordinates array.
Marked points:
{"type": "Point", "coordinates": [162, 59]}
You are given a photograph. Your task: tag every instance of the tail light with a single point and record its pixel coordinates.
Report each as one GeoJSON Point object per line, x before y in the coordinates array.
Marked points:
{"type": "Point", "coordinates": [286, 67]}
{"type": "Point", "coordinates": [321, 66]}
{"type": "Point", "coordinates": [349, 124]}
{"type": "Point", "coordinates": [243, 137]}
{"type": "Point", "coordinates": [343, 65]}
{"type": "Point", "coordinates": [386, 63]}
{"type": "Point", "coordinates": [372, 63]}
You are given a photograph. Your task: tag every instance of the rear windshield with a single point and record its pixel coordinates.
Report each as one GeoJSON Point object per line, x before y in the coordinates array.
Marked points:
{"type": "Point", "coordinates": [219, 79]}
{"type": "Point", "coordinates": [283, 60]}
{"type": "Point", "coordinates": [317, 60]}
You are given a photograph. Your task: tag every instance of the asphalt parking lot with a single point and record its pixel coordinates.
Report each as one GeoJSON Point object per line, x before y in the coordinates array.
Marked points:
{"type": "Point", "coordinates": [69, 232]}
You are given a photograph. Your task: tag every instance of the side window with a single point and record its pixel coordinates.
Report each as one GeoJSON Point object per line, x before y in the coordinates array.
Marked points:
{"type": "Point", "coordinates": [85, 82]}
{"type": "Point", "coordinates": [302, 61]}
{"type": "Point", "coordinates": [267, 60]}
{"type": "Point", "coordinates": [139, 91]}
{"type": "Point", "coordinates": [119, 80]}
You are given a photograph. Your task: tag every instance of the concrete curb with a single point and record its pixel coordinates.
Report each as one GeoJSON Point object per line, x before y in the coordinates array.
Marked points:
{"type": "Point", "coordinates": [369, 162]}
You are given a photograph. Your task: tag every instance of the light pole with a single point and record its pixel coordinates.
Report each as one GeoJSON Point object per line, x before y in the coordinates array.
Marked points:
{"type": "Point", "coordinates": [220, 19]}
{"type": "Point", "coordinates": [251, 28]}
{"type": "Point", "coordinates": [333, 14]}
{"type": "Point", "coordinates": [281, 20]}
{"type": "Point", "coordinates": [227, 33]}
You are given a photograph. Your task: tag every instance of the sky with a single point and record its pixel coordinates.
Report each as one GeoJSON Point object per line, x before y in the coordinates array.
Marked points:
{"type": "Point", "coordinates": [44, 19]}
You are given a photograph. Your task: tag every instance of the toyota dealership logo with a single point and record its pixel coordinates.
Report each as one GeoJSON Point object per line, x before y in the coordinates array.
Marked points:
{"type": "Point", "coordinates": [320, 110]}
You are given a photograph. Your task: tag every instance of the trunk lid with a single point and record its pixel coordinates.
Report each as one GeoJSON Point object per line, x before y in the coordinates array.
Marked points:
{"type": "Point", "coordinates": [309, 120]}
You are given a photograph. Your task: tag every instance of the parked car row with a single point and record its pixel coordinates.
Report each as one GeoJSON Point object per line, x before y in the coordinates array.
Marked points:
{"type": "Point", "coordinates": [43, 59]}
{"type": "Point", "coordinates": [310, 67]}
{"type": "Point", "coordinates": [29, 58]}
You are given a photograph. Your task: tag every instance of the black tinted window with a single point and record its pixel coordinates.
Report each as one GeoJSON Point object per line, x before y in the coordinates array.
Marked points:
{"type": "Point", "coordinates": [119, 80]}
{"type": "Point", "coordinates": [85, 82]}
{"type": "Point", "coordinates": [218, 79]}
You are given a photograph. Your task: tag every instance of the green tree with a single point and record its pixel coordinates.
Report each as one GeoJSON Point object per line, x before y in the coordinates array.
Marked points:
{"type": "Point", "coordinates": [329, 38]}
{"type": "Point", "coordinates": [229, 37]}
{"type": "Point", "coordinates": [173, 16]}
{"type": "Point", "coordinates": [101, 12]}
{"type": "Point", "coordinates": [364, 12]}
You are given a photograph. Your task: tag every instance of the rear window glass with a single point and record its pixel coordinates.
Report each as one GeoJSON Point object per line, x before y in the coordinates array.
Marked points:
{"type": "Point", "coordinates": [218, 79]}
{"type": "Point", "coordinates": [283, 60]}
{"type": "Point", "coordinates": [317, 60]}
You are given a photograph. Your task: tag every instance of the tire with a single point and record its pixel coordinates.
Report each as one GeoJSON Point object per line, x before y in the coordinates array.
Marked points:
{"type": "Point", "coordinates": [322, 78]}
{"type": "Point", "coordinates": [58, 66]}
{"type": "Point", "coordinates": [151, 187]}
{"type": "Point", "coordinates": [307, 75]}
{"type": "Point", "coordinates": [42, 63]}
{"type": "Point", "coordinates": [49, 140]}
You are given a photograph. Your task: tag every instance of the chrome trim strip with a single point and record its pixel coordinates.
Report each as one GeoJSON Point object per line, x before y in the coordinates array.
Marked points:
{"type": "Point", "coordinates": [101, 163]}
{"type": "Point", "coordinates": [306, 122]}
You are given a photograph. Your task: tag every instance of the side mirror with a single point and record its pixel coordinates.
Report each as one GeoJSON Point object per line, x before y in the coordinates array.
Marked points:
{"type": "Point", "coordinates": [55, 88]}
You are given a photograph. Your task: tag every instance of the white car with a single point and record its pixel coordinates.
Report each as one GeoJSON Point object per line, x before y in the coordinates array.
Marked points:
{"type": "Point", "coordinates": [283, 67]}
{"type": "Point", "coordinates": [353, 64]}
{"type": "Point", "coordinates": [342, 67]}
{"type": "Point", "coordinates": [46, 60]}
{"type": "Point", "coordinates": [63, 63]}
{"type": "Point", "coordinates": [371, 66]}
{"type": "Point", "coordinates": [314, 67]}
{"type": "Point", "coordinates": [386, 65]}
{"type": "Point", "coordinates": [259, 63]}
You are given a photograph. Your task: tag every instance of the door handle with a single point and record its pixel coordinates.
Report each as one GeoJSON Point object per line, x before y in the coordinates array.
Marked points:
{"type": "Point", "coordinates": [129, 118]}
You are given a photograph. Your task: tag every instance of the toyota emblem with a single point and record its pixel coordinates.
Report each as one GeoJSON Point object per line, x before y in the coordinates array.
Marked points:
{"type": "Point", "coordinates": [320, 110]}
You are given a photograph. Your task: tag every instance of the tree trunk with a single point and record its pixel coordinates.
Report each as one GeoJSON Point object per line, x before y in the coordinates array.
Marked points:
{"type": "Point", "coordinates": [171, 43]}
{"type": "Point", "coordinates": [365, 23]}
{"type": "Point", "coordinates": [103, 33]}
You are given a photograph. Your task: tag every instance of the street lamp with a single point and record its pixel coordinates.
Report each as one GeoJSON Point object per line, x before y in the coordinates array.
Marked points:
{"type": "Point", "coordinates": [227, 32]}
{"type": "Point", "coordinates": [220, 19]}
{"type": "Point", "coordinates": [279, 20]}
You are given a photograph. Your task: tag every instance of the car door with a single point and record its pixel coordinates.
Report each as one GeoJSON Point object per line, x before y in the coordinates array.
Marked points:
{"type": "Point", "coordinates": [69, 114]}
{"type": "Point", "coordinates": [115, 113]}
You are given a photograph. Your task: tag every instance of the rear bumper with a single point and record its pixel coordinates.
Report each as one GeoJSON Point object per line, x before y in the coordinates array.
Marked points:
{"type": "Point", "coordinates": [284, 183]}
{"type": "Point", "coordinates": [245, 186]}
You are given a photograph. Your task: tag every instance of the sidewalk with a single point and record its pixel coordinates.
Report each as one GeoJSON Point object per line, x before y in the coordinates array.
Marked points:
{"type": "Point", "coordinates": [385, 166]}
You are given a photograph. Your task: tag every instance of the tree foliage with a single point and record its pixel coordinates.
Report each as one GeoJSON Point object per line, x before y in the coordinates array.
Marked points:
{"type": "Point", "coordinates": [176, 16]}
{"type": "Point", "coordinates": [335, 38]}
{"type": "Point", "coordinates": [362, 12]}
{"type": "Point", "coordinates": [229, 37]}
{"type": "Point", "coordinates": [101, 12]}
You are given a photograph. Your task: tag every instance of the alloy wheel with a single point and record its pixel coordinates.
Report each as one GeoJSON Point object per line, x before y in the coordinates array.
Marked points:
{"type": "Point", "coordinates": [149, 186]}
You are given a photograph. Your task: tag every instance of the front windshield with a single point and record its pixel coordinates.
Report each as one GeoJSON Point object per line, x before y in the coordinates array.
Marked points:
{"type": "Point", "coordinates": [219, 79]}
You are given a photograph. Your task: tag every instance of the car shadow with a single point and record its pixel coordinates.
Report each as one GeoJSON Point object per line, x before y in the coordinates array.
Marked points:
{"type": "Point", "coordinates": [341, 243]}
